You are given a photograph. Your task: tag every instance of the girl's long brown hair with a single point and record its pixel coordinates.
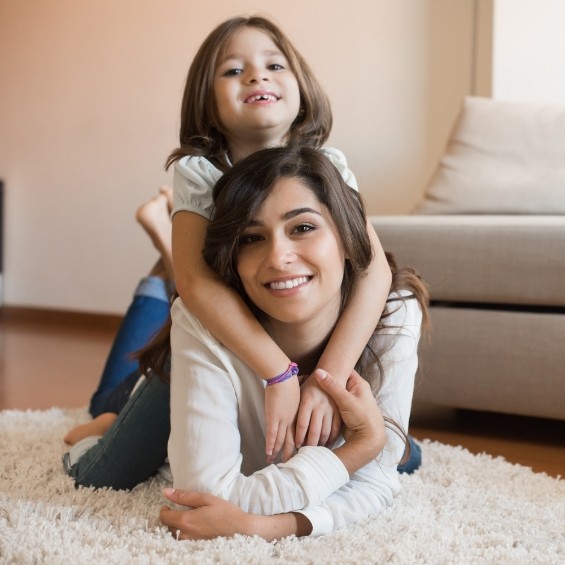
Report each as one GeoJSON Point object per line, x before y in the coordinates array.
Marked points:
{"type": "Point", "coordinates": [201, 132]}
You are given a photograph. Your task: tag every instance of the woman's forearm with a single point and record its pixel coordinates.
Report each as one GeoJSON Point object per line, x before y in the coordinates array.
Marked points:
{"type": "Point", "coordinates": [279, 526]}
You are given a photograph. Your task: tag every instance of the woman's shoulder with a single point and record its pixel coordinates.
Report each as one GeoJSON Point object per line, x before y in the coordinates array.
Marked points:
{"type": "Point", "coordinates": [405, 314]}
{"type": "Point", "coordinates": [184, 319]}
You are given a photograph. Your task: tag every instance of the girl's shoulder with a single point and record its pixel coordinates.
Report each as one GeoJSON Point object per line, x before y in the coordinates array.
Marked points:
{"type": "Point", "coordinates": [339, 161]}
{"type": "Point", "coordinates": [197, 169]}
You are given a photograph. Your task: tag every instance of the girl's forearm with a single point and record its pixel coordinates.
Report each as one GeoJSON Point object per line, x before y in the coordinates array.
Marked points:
{"type": "Point", "coordinates": [230, 321]}
{"type": "Point", "coordinates": [218, 307]}
{"type": "Point", "coordinates": [360, 316]}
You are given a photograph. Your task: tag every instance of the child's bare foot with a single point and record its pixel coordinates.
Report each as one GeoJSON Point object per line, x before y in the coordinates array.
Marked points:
{"type": "Point", "coordinates": [154, 217]}
{"type": "Point", "coordinates": [97, 427]}
{"type": "Point", "coordinates": [168, 192]}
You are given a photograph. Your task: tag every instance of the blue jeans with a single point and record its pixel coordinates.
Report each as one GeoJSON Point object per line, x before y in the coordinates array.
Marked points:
{"type": "Point", "coordinates": [415, 459]}
{"type": "Point", "coordinates": [147, 313]}
{"type": "Point", "coordinates": [134, 447]}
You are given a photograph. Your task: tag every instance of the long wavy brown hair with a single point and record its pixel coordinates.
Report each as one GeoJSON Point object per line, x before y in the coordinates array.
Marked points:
{"type": "Point", "coordinates": [238, 196]}
{"type": "Point", "coordinates": [201, 132]}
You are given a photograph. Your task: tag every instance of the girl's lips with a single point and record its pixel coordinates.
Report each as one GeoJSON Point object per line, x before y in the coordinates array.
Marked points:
{"type": "Point", "coordinates": [262, 96]}
{"type": "Point", "coordinates": [287, 284]}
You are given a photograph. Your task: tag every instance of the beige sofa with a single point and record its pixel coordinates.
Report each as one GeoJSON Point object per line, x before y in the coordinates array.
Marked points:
{"type": "Point", "coordinates": [496, 273]}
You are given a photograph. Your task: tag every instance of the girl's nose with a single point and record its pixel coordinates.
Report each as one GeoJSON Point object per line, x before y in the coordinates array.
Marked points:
{"type": "Point", "coordinates": [256, 75]}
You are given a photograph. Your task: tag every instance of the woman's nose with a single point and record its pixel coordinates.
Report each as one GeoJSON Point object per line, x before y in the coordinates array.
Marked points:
{"type": "Point", "coordinates": [279, 253]}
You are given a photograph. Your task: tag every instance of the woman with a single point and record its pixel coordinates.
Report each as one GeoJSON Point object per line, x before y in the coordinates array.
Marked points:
{"type": "Point", "coordinates": [290, 236]}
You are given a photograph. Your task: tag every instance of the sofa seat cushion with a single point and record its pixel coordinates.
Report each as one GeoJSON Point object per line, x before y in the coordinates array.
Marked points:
{"type": "Point", "coordinates": [516, 260]}
{"type": "Point", "coordinates": [493, 360]}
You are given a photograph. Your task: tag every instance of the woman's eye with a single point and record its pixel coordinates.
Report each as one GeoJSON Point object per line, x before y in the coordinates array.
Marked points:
{"type": "Point", "coordinates": [248, 239]}
{"type": "Point", "coordinates": [304, 228]}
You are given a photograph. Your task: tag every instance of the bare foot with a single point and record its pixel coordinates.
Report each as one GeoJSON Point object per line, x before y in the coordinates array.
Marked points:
{"type": "Point", "coordinates": [97, 427]}
{"type": "Point", "coordinates": [154, 218]}
{"type": "Point", "coordinates": [168, 192]}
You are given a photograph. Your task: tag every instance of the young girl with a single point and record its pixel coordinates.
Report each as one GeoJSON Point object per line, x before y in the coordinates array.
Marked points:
{"type": "Point", "coordinates": [248, 88]}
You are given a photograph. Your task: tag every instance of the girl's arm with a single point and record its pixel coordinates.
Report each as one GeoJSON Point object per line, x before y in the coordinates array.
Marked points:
{"type": "Point", "coordinates": [318, 420]}
{"type": "Point", "coordinates": [222, 311]}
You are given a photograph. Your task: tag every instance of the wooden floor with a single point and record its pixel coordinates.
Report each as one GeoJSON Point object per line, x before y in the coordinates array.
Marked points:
{"type": "Point", "coordinates": [51, 360]}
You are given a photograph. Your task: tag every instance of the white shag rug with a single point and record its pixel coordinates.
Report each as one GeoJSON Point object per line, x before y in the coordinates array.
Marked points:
{"type": "Point", "coordinates": [459, 508]}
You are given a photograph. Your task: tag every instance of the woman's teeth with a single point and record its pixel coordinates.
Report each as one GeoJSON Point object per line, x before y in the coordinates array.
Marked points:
{"type": "Point", "coordinates": [290, 283]}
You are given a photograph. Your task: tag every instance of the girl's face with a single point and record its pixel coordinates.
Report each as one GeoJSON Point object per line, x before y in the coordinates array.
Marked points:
{"type": "Point", "coordinates": [256, 93]}
{"type": "Point", "coordinates": [291, 260]}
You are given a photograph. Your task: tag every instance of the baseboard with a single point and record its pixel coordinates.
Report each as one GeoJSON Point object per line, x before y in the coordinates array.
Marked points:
{"type": "Point", "coordinates": [90, 320]}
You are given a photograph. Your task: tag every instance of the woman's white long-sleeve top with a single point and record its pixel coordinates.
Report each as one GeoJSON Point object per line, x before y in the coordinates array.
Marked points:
{"type": "Point", "coordinates": [217, 441]}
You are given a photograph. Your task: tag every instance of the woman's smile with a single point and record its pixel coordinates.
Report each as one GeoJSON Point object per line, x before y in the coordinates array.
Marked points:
{"type": "Point", "coordinates": [291, 259]}
{"type": "Point", "coordinates": [288, 283]}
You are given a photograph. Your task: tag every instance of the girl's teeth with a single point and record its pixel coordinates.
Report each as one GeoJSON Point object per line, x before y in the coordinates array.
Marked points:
{"type": "Point", "coordinates": [291, 283]}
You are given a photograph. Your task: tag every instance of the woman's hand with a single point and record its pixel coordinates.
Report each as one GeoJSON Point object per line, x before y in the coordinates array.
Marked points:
{"type": "Point", "coordinates": [318, 421]}
{"type": "Point", "coordinates": [365, 429]}
{"type": "Point", "coordinates": [281, 406]}
{"type": "Point", "coordinates": [209, 517]}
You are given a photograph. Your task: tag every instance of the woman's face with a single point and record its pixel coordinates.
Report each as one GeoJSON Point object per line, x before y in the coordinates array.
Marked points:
{"type": "Point", "coordinates": [291, 259]}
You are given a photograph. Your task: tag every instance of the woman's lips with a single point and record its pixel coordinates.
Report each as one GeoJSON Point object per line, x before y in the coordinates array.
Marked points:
{"type": "Point", "coordinates": [288, 283]}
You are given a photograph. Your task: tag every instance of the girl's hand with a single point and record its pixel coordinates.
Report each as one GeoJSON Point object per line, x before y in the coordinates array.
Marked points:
{"type": "Point", "coordinates": [319, 421]}
{"type": "Point", "coordinates": [209, 516]}
{"type": "Point", "coordinates": [281, 406]}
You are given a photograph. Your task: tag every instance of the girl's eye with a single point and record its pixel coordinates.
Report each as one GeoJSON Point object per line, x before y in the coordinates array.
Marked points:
{"type": "Point", "coordinates": [304, 228]}
{"type": "Point", "coordinates": [232, 72]}
{"type": "Point", "coordinates": [275, 67]}
{"type": "Point", "coordinates": [248, 239]}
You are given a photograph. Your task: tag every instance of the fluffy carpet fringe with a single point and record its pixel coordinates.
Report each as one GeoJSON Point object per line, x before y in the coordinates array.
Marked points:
{"type": "Point", "coordinates": [459, 508]}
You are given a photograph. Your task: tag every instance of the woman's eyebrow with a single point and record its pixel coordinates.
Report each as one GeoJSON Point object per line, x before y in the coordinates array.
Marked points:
{"type": "Point", "coordinates": [297, 211]}
{"type": "Point", "coordinates": [287, 215]}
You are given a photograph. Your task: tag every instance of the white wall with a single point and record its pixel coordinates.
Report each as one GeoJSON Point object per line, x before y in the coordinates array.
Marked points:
{"type": "Point", "coordinates": [89, 102]}
{"type": "Point", "coordinates": [529, 51]}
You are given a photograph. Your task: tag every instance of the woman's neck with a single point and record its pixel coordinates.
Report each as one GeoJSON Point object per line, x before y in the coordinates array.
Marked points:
{"type": "Point", "coordinates": [303, 344]}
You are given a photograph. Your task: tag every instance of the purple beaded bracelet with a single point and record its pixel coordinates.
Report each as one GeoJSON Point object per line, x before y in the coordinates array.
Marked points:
{"type": "Point", "coordinates": [289, 373]}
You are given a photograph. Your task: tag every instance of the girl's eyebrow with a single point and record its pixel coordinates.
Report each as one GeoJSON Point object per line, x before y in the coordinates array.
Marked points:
{"type": "Point", "coordinates": [238, 57]}
{"type": "Point", "coordinates": [288, 215]}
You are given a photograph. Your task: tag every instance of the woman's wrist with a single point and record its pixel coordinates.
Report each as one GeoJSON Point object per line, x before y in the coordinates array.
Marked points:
{"type": "Point", "coordinates": [359, 450]}
{"type": "Point", "coordinates": [279, 525]}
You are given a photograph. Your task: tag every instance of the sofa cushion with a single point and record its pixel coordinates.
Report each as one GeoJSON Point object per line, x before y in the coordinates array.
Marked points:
{"type": "Point", "coordinates": [502, 158]}
{"type": "Point", "coordinates": [516, 260]}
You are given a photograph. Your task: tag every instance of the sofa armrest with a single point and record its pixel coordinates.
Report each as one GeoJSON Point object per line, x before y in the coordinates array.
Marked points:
{"type": "Point", "coordinates": [517, 260]}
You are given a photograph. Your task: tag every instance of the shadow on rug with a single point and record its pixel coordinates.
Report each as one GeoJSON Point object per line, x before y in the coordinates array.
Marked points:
{"type": "Point", "coordinates": [458, 508]}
